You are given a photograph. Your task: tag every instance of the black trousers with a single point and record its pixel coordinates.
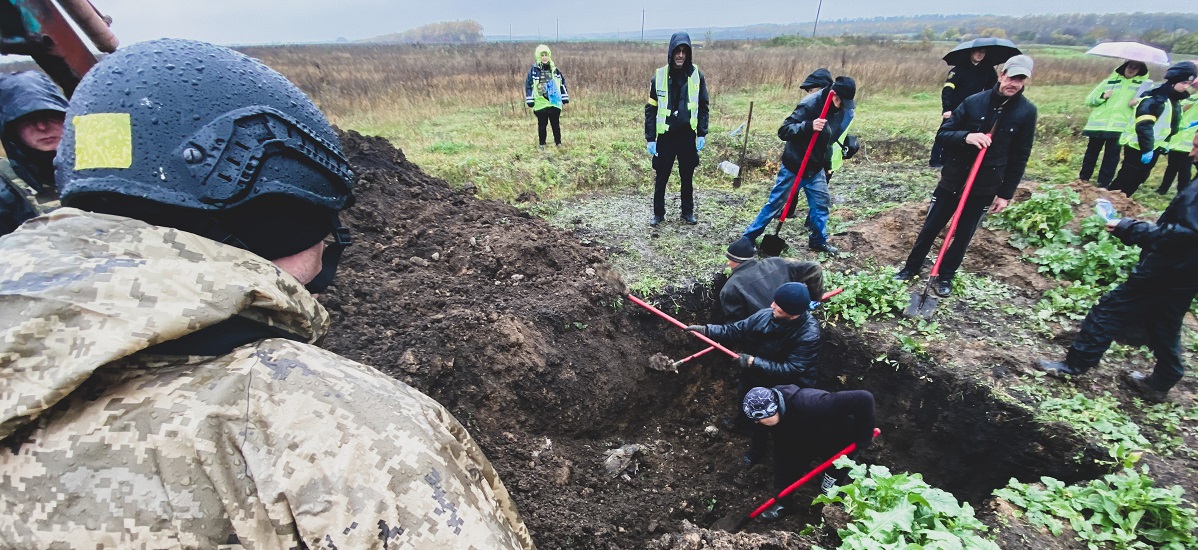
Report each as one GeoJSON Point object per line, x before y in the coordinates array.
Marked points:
{"type": "Point", "coordinates": [1139, 311]}
{"type": "Point", "coordinates": [1178, 167]}
{"type": "Point", "coordinates": [944, 204]}
{"type": "Point", "coordinates": [1132, 172]}
{"type": "Point", "coordinates": [1109, 148]}
{"type": "Point", "coordinates": [671, 146]}
{"type": "Point", "coordinates": [549, 115]}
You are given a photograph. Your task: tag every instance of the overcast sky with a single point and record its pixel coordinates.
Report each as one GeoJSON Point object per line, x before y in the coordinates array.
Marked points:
{"type": "Point", "coordinates": [270, 21]}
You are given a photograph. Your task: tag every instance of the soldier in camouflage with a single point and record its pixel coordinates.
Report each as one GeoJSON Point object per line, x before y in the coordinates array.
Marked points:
{"type": "Point", "coordinates": [160, 386]}
{"type": "Point", "coordinates": [31, 118]}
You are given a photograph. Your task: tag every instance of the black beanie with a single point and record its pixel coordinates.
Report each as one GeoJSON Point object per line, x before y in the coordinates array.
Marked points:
{"type": "Point", "coordinates": [793, 298]}
{"type": "Point", "coordinates": [742, 250]}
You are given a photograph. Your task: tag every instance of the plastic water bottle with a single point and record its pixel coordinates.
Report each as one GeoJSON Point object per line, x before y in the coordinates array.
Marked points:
{"type": "Point", "coordinates": [1106, 210]}
{"type": "Point", "coordinates": [728, 168]}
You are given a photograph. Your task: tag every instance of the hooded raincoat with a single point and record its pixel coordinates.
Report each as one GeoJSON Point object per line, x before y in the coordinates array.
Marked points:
{"type": "Point", "coordinates": [1111, 115]}
{"type": "Point", "coordinates": [27, 175]}
{"type": "Point", "coordinates": [545, 86]}
{"type": "Point", "coordinates": [274, 444]}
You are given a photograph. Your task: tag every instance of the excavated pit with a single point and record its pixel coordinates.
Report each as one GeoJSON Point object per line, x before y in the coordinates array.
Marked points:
{"type": "Point", "coordinates": [517, 328]}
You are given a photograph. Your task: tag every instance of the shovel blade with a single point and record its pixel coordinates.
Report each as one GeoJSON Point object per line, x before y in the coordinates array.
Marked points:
{"type": "Point", "coordinates": [772, 245]}
{"type": "Point", "coordinates": [922, 305]}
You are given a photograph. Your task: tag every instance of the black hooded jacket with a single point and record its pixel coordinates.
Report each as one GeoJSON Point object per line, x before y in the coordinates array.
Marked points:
{"type": "Point", "coordinates": [1010, 148]}
{"type": "Point", "coordinates": [677, 95]}
{"type": "Point", "coordinates": [23, 93]}
{"type": "Point", "coordinates": [964, 81]}
{"type": "Point", "coordinates": [785, 351]}
{"type": "Point", "coordinates": [796, 132]}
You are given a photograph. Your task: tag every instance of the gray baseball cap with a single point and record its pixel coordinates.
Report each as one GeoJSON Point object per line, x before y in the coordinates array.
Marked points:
{"type": "Point", "coordinates": [1020, 65]}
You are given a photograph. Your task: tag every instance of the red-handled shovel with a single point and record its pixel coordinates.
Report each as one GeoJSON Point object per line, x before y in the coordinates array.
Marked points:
{"type": "Point", "coordinates": [773, 245]}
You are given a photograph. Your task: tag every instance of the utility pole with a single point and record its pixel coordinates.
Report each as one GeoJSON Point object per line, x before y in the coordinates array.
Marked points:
{"type": "Point", "coordinates": [509, 32]}
{"type": "Point", "coordinates": [558, 23]}
{"type": "Point", "coordinates": [817, 9]}
{"type": "Point", "coordinates": [643, 25]}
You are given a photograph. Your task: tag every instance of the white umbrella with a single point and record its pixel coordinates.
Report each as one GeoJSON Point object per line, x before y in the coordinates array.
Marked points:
{"type": "Point", "coordinates": [1131, 51]}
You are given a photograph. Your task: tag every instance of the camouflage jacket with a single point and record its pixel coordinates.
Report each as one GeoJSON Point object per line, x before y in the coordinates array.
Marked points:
{"type": "Point", "coordinates": [278, 444]}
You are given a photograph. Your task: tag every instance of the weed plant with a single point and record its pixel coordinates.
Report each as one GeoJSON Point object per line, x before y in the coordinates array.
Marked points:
{"type": "Point", "coordinates": [868, 294]}
{"type": "Point", "coordinates": [902, 511]}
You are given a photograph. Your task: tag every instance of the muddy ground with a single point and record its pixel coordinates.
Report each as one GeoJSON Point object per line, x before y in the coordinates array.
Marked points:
{"type": "Point", "coordinates": [515, 326]}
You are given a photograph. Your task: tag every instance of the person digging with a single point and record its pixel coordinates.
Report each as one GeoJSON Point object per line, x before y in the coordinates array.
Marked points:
{"type": "Point", "coordinates": [808, 425]}
{"type": "Point", "coordinates": [750, 287]}
{"type": "Point", "coordinates": [781, 346]}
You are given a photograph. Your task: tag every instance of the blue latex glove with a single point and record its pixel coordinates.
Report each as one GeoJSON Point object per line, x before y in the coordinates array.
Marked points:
{"type": "Point", "coordinates": [700, 142]}
{"type": "Point", "coordinates": [652, 148]}
{"type": "Point", "coordinates": [1147, 157]}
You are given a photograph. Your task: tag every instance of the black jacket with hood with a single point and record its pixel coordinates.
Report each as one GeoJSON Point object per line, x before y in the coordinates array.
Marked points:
{"type": "Point", "coordinates": [796, 131]}
{"type": "Point", "coordinates": [1010, 148]}
{"type": "Point", "coordinates": [23, 93]}
{"type": "Point", "coordinates": [964, 81]}
{"type": "Point", "coordinates": [1169, 260]}
{"type": "Point", "coordinates": [677, 94]}
{"type": "Point", "coordinates": [1153, 106]}
{"type": "Point", "coordinates": [785, 351]}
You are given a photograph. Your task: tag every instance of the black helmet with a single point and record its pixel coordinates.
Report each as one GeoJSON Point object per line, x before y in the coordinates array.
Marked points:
{"type": "Point", "coordinates": [199, 137]}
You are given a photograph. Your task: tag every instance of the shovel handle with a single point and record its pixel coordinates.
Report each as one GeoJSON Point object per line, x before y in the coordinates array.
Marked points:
{"type": "Point", "coordinates": [696, 355]}
{"type": "Point", "coordinates": [952, 226]}
{"type": "Point", "coordinates": [794, 188]}
{"type": "Point", "coordinates": [679, 324]}
{"type": "Point", "coordinates": [818, 469]}
{"type": "Point", "coordinates": [828, 295]}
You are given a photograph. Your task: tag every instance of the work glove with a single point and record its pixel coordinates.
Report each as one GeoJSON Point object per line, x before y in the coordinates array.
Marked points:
{"type": "Point", "coordinates": [699, 142]}
{"type": "Point", "coordinates": [697, 329]}
{"type": "Point", "coordinates": [743, 360]}
{"type": "Point", "coordinates": [652, 148]}
{"type": "Point", "coordinates": [1146, 158]}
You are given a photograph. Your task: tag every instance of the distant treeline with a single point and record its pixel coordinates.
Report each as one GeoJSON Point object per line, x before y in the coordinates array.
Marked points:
{"type": "Point", "coordinates": [448, 32]}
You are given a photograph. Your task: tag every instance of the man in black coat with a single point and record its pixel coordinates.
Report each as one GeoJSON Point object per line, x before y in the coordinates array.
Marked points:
{"type": "Point", "coordinates": [1011, 118]}
{"type": "Point", "coordinates": [676, 125]}
{"type": "Point", "coordinates": [809, 425]}
{"type": "Point", "coordinates": [963, 81]}
{"type": "Point", "coordinates": [751, 286]}
{"type": "Point", "coordinates": [1151, 303]}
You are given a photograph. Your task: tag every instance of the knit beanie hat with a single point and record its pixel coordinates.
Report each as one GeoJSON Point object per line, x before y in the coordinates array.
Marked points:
{"type": "Point", "coordinates": [742, 250]}
{"type": "Point", "coordinates": [760, 403]}
{"type": "Point", "coordinates": [793, 298]}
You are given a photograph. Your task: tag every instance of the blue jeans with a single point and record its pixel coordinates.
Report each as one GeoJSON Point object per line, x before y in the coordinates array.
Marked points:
{"type": "Point", "coordinates": [819, 203]}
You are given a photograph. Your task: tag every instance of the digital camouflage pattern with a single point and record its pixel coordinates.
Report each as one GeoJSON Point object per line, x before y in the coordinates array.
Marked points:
{"type": "Point", "coordinates": [278, 444]}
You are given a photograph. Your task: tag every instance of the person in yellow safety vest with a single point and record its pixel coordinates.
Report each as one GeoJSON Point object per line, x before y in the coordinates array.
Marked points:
{"type": "Point", "coordinates": [1178, 146]}
{"type": "Point", "coordinates": [31, 121]}
{"type": "Point", "coordinates": [545, 91]}
{"type": "Point", "coordinates": [1158, 117]}
{"type": "Point", "coordinates": [676, 125]}
{"type": "Point", "coordinates": [1114, 103]}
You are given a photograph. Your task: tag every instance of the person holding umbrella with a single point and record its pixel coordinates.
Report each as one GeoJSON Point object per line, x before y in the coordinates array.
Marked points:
{"type": "Point", "coordinates": [999, 125]}
{"type": "Point", "coordinates": [972, 71]}
{"type": "Point", "coordinates": [1113, 102]}
{"type": "Point", "coordinates": [1158, 118]}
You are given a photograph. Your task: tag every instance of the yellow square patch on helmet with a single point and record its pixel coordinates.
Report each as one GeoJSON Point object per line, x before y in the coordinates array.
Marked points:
{"type": "Point", "coordinates": [103, 140]}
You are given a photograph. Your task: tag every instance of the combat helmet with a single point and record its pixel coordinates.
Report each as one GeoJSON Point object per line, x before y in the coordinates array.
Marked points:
{"type": "Point", "coordinates": [198, 137]}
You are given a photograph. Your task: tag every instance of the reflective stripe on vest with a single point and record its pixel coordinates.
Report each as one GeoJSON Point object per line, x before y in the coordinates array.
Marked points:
{"type": "Point", "coordinates": [663, 97]}
{"type": "Point", "coordinates": [41, 203]}
{"type": "Point", "coordinates": [1161, 127]}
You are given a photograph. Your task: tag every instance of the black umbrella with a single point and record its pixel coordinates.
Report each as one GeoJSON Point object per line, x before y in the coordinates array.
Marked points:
{"type": "Point", "coordinates": [998, 50]}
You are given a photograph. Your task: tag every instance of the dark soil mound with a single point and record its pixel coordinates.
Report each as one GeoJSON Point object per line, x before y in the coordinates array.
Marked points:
{"type": "Point", "coordinates": [519, 329]}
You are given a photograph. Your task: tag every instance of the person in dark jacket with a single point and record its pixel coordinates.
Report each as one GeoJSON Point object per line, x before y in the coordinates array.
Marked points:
{"type": "Point", "coordinates": [797, 131]}
{"type": "Point", "coordinates": [753, 282]}
{"type": "Point", "coordinates": [962, 82]}
{"type": "Point", "coordinates": [676, 125]}
{"type": "Point", "coordinates": [1158, 117]}
{"type": "Point", "coordinates": [545, 92]}
{"type": "Point", "coordinates": [1150, 304]}
{"type": "Point", "coordinates": [809, 426]}
{"type": "Point", "coordinates": [31, 122]}
{"type": "Point", "coordinates": [1001, 122]}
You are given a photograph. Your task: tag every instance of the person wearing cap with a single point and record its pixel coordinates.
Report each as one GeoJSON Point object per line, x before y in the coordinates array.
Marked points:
{"type": "Point", "coordinates": [803, 125]}
{"type": "Point", "coordinates": [1000, 124]}
{"type": "Point", "coordinates": [31, 120]}
{"type": "Point", "coordinates": [750, 288]}
{"type": "Point", "coordinates": [1148, 307]}
{"type": "Point", "coordinates": [1113, 103]}
{"type": "Point", "coordinates": [1158, 118]}
{"type": "Point", "coordinates": [546, 94]}
{"type": "Point", "coordinates": [162, 386]}
{"type": "Point", "coordinates": [1179, 162]}
{"type": "Point", "coordinates": [962, 81]}
{"type": "Point", "coordinates": [807, 426]}
{"type": "Point", "coordinates": [676, 126]}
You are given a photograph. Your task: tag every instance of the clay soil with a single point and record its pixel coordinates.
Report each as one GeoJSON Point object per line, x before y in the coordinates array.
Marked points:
{"type": "Point", "coordinates": [523, 332]}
